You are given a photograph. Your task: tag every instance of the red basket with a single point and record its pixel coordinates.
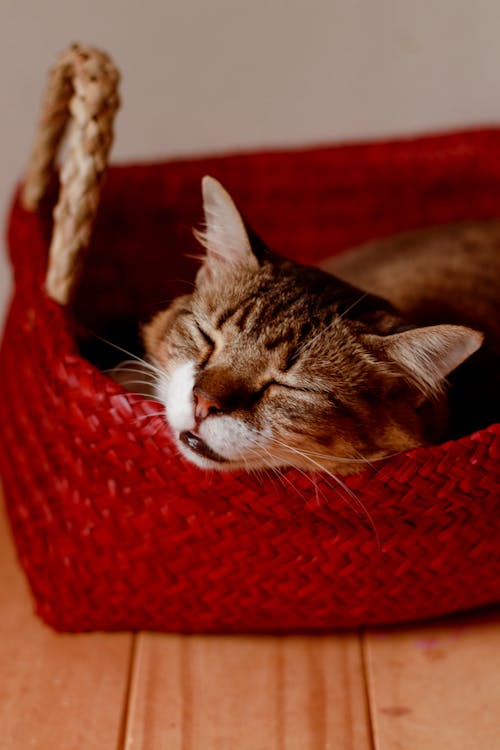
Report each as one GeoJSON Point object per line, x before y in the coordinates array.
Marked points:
{"type": "Point", "coordinates": [114, 530]}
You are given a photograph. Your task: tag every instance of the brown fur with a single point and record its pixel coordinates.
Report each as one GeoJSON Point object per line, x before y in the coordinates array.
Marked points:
{"type": "Point", "coordinates": [334, 370]}
{"type": "Point", "coordinates": [445, 274]}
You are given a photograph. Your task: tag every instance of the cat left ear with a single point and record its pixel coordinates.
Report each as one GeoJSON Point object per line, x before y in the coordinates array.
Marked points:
{"type": "Point", "coordinates": [225, 237]}
{"type": "Point", "coordinates": [427, 355]}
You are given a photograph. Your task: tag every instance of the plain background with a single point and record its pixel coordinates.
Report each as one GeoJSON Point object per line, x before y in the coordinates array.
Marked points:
{"type": "Point", "coordinates": [219, 75]}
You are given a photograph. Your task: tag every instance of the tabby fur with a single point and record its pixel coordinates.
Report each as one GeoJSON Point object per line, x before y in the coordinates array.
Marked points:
{"type": "Point", "coordinates": [271, 363]}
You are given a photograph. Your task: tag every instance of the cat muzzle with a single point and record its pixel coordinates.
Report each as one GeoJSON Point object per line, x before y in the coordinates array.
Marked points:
{"type": "Point", "coordinates": [197, 445]}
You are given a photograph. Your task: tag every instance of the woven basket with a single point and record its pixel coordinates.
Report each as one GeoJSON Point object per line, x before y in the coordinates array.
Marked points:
{"type": "Point", "coordinates": [114, 530]}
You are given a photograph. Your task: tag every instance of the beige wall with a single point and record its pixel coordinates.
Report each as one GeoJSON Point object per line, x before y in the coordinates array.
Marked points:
{"type": "Point", "coordinates": [224, 74]}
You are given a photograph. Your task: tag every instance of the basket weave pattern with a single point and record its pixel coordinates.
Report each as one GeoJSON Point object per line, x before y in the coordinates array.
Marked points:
{"type": "Point", "coordinates": [115, 530]}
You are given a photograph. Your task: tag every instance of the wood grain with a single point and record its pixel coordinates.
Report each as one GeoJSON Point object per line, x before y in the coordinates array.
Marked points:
{"type": "Point", "coordinates": [63, 692]}
{"type": "Point", "coordinates": [436, 687]}
{"type": "Point", "coordinates": [250, 693]}
{"type": "Point", "coordinates": [433, 687]}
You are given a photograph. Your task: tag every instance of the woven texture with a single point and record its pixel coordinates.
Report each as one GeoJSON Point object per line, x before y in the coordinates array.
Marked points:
{"type": "Point", "coordinates": [115, 530]}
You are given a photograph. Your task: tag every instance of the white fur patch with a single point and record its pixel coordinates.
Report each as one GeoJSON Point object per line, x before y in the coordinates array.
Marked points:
{"type": "Point", "coordinates": [176, 393]}
{"type": "Point", "coordinates": [230, 438]}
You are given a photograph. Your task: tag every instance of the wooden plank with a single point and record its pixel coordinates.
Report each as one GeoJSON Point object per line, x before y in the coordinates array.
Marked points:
{"type": "Point", "coordinates": [250, 693]}
{"type": "Point", "coordinates": [63, 692]}
{"type": "Point", "coordinates": [436, 687]}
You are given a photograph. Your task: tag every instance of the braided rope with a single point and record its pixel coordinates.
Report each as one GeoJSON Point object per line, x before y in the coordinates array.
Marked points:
{"type": "Point", "coordinates": [82, 86]}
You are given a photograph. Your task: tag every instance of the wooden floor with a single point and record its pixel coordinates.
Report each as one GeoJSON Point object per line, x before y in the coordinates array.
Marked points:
{"type": "Point", "coordinates": [421, 688]}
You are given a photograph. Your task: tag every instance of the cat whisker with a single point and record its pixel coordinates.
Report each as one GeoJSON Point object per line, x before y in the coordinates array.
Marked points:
{"type": "Point", "coordinates": [307, 475]}
{"type": "Point", "coordinates": [124, 376]}
{"type": "Point", "coordinates": [275, 470]}
{"type": "Point", "coordinates": [135, 368]}
{"type": "Point", "coordinates": [251, 468]}
{"type": "Point", "coordinates": [281, 477]}
{"type": "Point", "coordinates": [151, 380]}
{"type": "Point", "coordinates": [354, 304]}
{"type": "Point", "coordinates": [345, 459]}
{"type": "Point", "coordinates": [139, 382]}
{"type": "Point", "coordinates": [351, 496]}
{"type": "Point", "coordinates": [134, 357]}
{"type": "Point", "coordinates": [116, 373]}
{"type": "Point", "coordinates": [256, 471]}
{"type": "Point", "coordinates": [347, 490]}
{"type": "Point", "coordinates": [328, 456]}
{"type": "Point", "coordinates": [372, 461]}
{"type": "Point", "coordinates": [198, 257]}
{"type": "Point", "coordinates": [150, 416]}
{"type": "Point", "coordinates": [278, 472]}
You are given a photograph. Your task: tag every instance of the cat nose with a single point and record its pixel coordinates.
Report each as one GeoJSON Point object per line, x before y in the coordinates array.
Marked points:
{"type": "Point", "coordinates": [205, 404]}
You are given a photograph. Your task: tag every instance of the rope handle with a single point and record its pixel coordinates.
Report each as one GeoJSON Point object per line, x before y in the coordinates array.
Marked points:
{"type": "Point", "coordinates": [82, 88]}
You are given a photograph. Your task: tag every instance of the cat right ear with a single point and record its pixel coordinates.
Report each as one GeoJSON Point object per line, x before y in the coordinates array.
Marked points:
{"type": "Point", "coordinates": [426, 355]}
{"type": "Point", "coordinates": [225, 237]}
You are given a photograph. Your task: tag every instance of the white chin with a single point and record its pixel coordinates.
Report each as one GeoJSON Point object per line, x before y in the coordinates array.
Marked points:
{"type": "Point", "coordinates": [232, 464]}
{"type": "Point", "coordinates": [202, 461]}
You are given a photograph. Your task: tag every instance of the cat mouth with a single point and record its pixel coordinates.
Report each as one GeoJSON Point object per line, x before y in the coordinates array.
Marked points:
{"type": "Point", "coordinates": [197, 445]}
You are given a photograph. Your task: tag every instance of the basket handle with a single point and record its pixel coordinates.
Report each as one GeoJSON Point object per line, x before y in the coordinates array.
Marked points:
{"type": "Point", "coordinates": [83, 88]}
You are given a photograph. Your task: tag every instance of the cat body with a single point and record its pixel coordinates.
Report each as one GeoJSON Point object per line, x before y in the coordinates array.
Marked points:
{"type": "Point", "coordinates": [272, 363]}
{"type": "Point", "coordinates": [445, 274]}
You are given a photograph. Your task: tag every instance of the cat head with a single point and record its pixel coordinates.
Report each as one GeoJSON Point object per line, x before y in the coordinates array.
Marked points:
{"type": "Point", "coordinates": [270, 363]}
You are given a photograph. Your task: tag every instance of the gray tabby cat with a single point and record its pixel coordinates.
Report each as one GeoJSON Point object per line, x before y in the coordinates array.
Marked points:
{"type": "Point", "coordinates": [272, 363]}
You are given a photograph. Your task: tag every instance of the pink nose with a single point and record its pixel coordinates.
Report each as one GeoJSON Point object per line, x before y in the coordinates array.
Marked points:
{"type": "Point", "coordinates": [204, 404]}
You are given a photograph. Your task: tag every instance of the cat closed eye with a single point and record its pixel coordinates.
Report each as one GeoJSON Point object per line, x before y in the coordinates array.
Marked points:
{"type": "Point", "coordinates": [279, 385]}
{"type": "Point", "coordinates": [207, 339]}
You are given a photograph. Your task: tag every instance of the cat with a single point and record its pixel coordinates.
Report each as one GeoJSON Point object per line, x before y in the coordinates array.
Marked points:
{"type": "Point", "coordinates": [270, 363]}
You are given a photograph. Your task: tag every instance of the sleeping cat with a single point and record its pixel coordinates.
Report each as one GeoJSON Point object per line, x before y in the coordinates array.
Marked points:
{"type": "Point", "coordinates": [273, 363]}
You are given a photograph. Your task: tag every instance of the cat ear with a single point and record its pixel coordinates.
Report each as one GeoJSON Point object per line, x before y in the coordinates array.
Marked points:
{"type": "Point", "coordinates": [427, 355]}
{"type": "Point", "coordinates": [225, 237]}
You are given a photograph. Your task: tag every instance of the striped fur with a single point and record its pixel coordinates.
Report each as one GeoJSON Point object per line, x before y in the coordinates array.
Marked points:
{"type": "Point", "coordinates": [271, 363]}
